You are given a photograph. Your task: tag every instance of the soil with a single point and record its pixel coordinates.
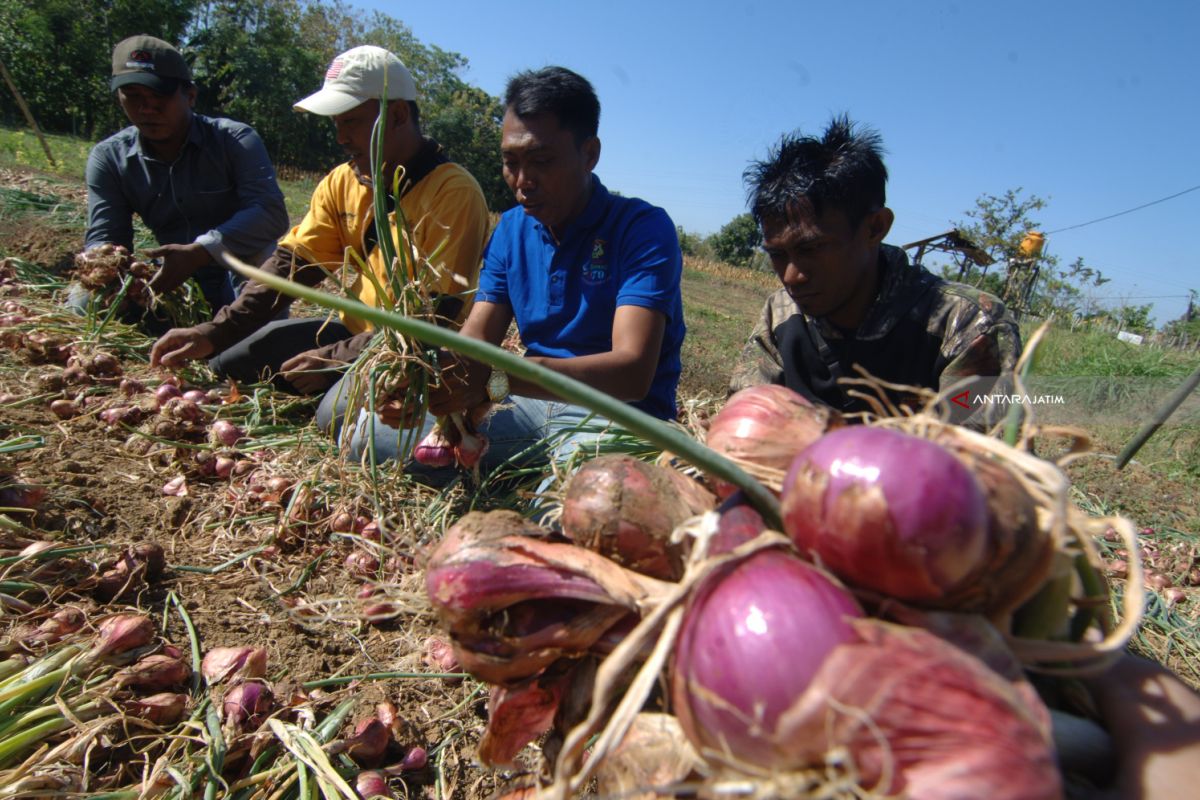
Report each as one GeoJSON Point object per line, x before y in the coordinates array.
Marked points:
{"type": "Point", "coordinates": [262, 569]}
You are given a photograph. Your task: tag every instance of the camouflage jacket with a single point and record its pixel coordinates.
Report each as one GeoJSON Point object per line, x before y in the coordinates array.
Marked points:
{"type": "Point", "coordinates": [921, 331]}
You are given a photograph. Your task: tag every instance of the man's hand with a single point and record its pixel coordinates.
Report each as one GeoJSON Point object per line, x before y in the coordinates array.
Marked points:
{"type": "Point", "coordinates": [308, 372]}
{"type": "Point", "coordinates": [178, 346]}
{"type": "Point", "coordinates": [461, 385]}
{"type": "Point", "coordinates": [179, 262]}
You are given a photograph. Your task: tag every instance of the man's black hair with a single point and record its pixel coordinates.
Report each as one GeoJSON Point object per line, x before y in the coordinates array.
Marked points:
{"type": "Point", "coordinates": [843, 169]}
{"type": "Point", "coordinates": [415, 114]}
{"type": "Point", "coordinates": [558, 91]}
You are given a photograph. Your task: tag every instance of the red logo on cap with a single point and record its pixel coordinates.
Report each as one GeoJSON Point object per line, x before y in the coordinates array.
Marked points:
{"type": "Point", "coordinates": [334, 70]}
{"type": "Point", "coordinates": [141, 55]}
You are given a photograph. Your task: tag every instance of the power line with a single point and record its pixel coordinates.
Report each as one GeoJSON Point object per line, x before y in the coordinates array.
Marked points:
{"type": "Point", "coordinates": [1127, 211]}
{"type": "Point", "coordinates": [1147, 297]}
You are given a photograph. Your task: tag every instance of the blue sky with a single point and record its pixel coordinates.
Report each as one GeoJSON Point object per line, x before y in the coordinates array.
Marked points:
{"type": "Point", "coordinates": [1093, 106]}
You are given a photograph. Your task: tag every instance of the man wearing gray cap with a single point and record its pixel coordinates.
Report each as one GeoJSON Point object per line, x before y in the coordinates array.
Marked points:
{"type": "Point", "coordinates": [202, 185]}
{"type": "Point", "coordinates": [441, 201]}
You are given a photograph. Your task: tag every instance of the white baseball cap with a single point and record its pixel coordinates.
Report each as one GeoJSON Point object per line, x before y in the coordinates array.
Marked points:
{"type": "Point", "coordinates": [357, 76]}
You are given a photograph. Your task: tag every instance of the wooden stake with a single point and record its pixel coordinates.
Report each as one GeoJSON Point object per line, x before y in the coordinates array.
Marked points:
{"type": "Point", "coordinates": [25, 110]}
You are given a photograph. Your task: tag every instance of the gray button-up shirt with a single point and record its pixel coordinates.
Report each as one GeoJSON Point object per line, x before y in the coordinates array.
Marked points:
{"type": "Point", "coordinates": [219, 191]}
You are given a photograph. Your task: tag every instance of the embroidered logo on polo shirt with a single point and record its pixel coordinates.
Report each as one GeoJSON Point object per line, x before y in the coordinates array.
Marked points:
{"type": "Point", "coordinates": [596, 271]}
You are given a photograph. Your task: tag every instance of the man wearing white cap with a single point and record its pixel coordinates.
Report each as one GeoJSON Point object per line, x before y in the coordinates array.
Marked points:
{"type": "Point", "coordinates": [308, 355]}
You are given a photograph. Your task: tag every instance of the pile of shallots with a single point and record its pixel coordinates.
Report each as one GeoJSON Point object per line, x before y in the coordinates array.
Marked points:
{"type": "Point", "coordinates": [874, 644]}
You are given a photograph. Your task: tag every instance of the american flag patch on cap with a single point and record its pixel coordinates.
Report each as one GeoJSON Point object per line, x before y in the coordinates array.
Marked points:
{"type": "Point", "coordinates": [334, 70]}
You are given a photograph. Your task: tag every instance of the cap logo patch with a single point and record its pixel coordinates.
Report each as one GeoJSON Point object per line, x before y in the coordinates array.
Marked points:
{"type": "Point", "coordinates": [140, 59]}
{"type": "Point", "coordinates": [334, 70]}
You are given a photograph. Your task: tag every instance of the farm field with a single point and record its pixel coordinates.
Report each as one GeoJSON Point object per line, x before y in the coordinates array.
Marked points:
{"type": "Point", "coordinates": [276, 555]}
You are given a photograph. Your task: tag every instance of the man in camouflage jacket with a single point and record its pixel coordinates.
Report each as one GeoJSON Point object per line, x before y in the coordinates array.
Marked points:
{"type": "Point", "coordinates": [848, 300]}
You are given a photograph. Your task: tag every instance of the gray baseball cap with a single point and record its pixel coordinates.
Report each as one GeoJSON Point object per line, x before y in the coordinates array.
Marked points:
{"type": "Point", "coordinates": [148, 61]}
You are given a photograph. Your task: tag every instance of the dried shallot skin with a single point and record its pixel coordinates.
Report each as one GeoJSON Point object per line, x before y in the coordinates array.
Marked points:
{"type": "Point", "coordinates": [1021, 551]}
{"type": "Point", "coordinates": [626, 509]}
{"type": "Point", "coordinates": [513, 603]}
{"type": "Point", "coordinates": [518, 715]}
{"type": "Point", "coordinates": [922, 718]}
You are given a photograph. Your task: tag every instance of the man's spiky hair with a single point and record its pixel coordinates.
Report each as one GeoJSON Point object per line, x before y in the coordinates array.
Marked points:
{"type": "Point", "coordinates": [843, 169]}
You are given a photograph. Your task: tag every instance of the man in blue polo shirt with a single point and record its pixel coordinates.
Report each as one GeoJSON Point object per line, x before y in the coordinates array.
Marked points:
{"type": "Point", "coordinates": [591, 278]}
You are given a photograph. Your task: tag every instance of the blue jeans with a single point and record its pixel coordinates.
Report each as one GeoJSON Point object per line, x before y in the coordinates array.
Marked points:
{"type": "Point", "coordinates": [523, 432]}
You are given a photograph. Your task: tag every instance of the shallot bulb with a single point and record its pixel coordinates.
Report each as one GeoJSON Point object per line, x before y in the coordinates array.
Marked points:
{"type": "Point", "coordinates": [887, 511]}
{"type": "Point", "coordinates": [162, 709]}
{"type": "Point", "coordinates": [121, 415]}
{"type": "Point", "coordinates": [738, 523]}
{"type": "Point", "coordinates": [513, 604]}
{"type": "Point", "coordinates": [372, 783]}
{"type": "Point", "coordinates": [362, 564]}
{"type": "Point", "coordinates": [165, 392]}
{"type": "Point", "coordinates": [920, 717]}
{"type": "Point", "coordinates": [435, 450]}
{"type": "Point", "coordinates": [247, 705]}
{"type": "Point", "coordinates": [225, 433]}
{"type": "Point", "coordinates": [766, 426]}
{"type": "Point", "coordinates": [159, 671]}
{"type": "Point", "coordinates": [1021, 551]}
{"type": "Point", "coordinates": [233, 662]}
{"type": "Point", "coordinates": [470, 446]}
{"type": "Point", "coordinates": [754, 635]}
{"type": "Point", "coordinates": [223, 466]}
{"type": "Point", "coordinates": [415, 758]}
{"type": "Point", "coordinates": [65, 409]}
{"type": "Point", "coordinates": [626, 509]}
{"type": "Point", "coordinates": [104, 364]}
{"type": "Point", "coordinates": [438, 655]}
{"type": "Point", "coordinates": [182, 409]}
{"type": "Point", "coordinates": [123, 632]}
{"type": "Point", "coordinates": [370, 742]}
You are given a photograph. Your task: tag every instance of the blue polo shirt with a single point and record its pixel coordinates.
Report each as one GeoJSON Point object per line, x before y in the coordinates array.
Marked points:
{"type": "Point", "coordinates": [620, 252]}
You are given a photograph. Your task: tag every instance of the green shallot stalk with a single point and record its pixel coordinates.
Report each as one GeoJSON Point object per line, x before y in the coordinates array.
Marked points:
{"type": "Point", "coordinates": [653, 430]}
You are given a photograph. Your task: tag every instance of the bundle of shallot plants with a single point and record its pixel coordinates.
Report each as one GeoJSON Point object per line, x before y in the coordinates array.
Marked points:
{"type": "Point", "coordinates": [939, 564]}
{"type": "Point", "coordinates": [124, 669]}
{"type": "Point", "coordinates": [119, 280]}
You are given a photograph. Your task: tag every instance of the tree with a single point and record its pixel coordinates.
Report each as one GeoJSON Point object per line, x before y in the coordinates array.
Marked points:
{"type": "Point", "coordinates": [1062, 291]}
{"type": "Point", "coordinates": [251, 64]}
{"type": "Point", "coordinates": [1188, 325]}
{"type": "Point", "coordinates": [737, 241]}
{"type": "Point", "coordinates": [468, 125]}
{"type": "Point", "coordinates": [251, 59]}
{"type": "Point", "coordinates": [998, 225]}
{"type": "Point", "coordinates": [691, 244]}
{"type": "Point", "coordinates": [59, 53]}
